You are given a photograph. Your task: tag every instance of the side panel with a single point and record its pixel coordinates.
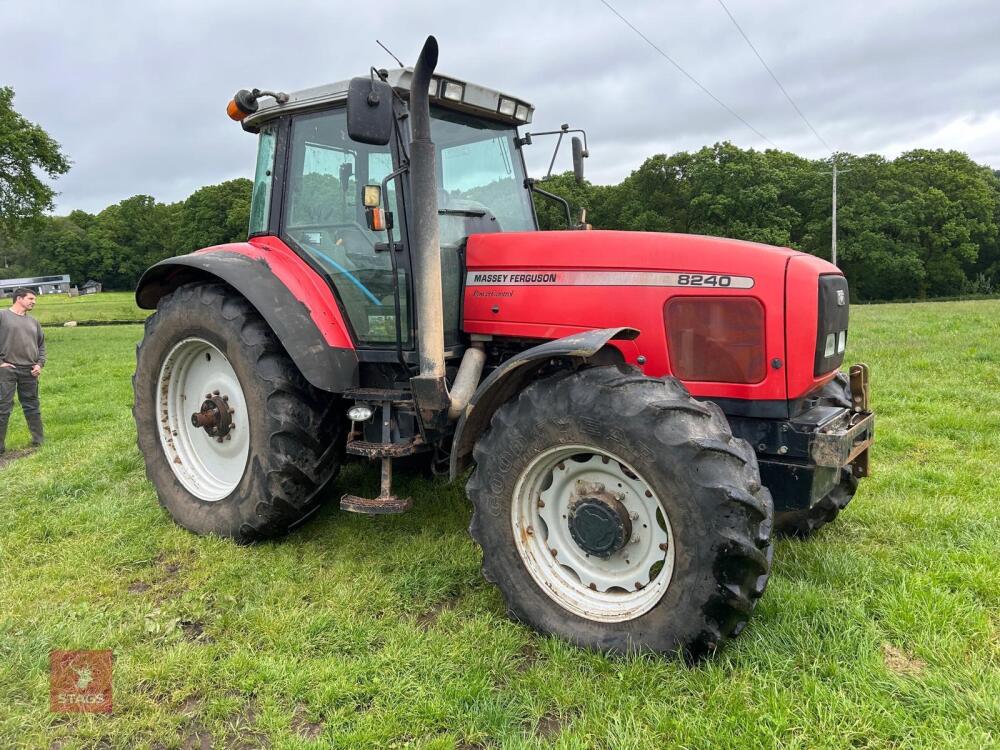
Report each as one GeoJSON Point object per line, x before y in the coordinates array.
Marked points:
{"type": "Point", "coordinates": [297, 304]}
{"type": "Point", "coordinates": [546, 284]}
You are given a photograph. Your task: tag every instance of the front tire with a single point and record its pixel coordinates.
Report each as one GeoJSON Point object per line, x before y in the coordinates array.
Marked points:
{"type": "Point", "coordinates": [673, 550]}
{"type": "Point", "coordinates": [263, 470]}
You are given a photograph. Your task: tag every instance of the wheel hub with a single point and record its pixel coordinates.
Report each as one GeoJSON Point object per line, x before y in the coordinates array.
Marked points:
{"type": "Point", "coordinates": [216, 416]}
{"type": "Point", "coordinates": [600, 525]}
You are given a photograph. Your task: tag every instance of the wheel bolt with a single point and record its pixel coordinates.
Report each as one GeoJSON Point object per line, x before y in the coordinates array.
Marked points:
{"type": "Point", "coordinates": [541, 503]}
{"type": "Point", "coordinates": [634, 516]}
{"type": "Point", "coordinates": [554, 551]}
{"type": "Point", "coordinates": [593, 587]}
{"type": "Point", "coordinates": [225, 398]}
{"type": "Point", "coordinates": [663, 546]}
{"type": "Point", "coordinates": [638, 586]}
{"type": "Point", "coordinates": [648, 493]}
{"type": "Point", "coordinates": [529, 531]}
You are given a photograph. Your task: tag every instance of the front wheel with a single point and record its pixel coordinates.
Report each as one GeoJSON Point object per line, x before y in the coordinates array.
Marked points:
{"type": "Point", "coordinates": [235, 441]}
{"type": "Point", "coordinates": [619, 513]}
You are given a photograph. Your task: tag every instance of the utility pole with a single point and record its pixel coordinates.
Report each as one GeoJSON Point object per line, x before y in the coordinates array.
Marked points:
{"type": "Point", "coordinates": [833, 243]}
{"type": "Point", "coordinates": [833, 239]}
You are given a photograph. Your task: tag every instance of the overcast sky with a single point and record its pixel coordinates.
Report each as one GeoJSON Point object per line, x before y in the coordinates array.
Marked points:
{"type": "Point", "coordinates": [136, 91]}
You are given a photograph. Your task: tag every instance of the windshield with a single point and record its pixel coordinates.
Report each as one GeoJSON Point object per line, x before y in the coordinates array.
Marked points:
{"type": "Point", "coordinates": [479, 171]}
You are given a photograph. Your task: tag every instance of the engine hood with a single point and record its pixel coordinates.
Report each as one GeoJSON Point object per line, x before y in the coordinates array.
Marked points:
{"type": "Point", "coordinates": [625, 250]}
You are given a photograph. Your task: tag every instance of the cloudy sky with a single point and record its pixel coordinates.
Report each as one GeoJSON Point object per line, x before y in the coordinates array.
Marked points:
{"type": "Point", "coordinates": [136, 91]}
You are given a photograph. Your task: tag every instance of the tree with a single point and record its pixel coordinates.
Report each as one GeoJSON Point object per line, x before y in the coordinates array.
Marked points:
{"type": "Point", "coordinates": [24, 149]}
{"type": "Point", "coordinates": [213, 215]}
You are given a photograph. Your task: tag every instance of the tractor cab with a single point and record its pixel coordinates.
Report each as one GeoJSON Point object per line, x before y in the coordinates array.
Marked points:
{"type": "Point", "coordinates": [310, 182]}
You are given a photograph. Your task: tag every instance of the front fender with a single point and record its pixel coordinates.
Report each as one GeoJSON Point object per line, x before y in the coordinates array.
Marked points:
{"type": "Point", "coordinates": [296, 303]}
{"type": "Point", "coordinates": [514, 375]}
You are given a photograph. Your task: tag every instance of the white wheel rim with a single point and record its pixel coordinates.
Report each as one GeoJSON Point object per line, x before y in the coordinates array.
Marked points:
{"type": "Point", "coordinates": [621, 587]}
{"type": "Point", "coordinates": [208, 469]}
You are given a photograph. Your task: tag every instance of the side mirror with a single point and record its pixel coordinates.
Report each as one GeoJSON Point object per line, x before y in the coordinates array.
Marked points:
{"type": "Point", "coordinates": [579, 154]}
{"type": "Point", "coordinates": [369, 111]}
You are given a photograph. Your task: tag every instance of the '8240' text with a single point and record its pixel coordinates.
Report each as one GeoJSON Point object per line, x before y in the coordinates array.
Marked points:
{"type": "Point", "coordinates": [698, 279]}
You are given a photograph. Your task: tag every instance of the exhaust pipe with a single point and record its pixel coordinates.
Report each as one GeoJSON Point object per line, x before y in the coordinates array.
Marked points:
{"type": "Point", "coordinates": [430, 388]}
{"type": "Point", "coordinates": [427, 233]}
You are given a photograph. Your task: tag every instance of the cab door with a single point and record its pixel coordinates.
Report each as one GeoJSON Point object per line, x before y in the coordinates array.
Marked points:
{"type": "Point", "coordinates": [323, 219]}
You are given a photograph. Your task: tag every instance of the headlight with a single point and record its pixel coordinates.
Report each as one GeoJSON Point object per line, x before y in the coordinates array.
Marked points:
{"type": "Point", "coordinates": [359, 413]}
{"type": "Point", "coordinates": [452, 91]}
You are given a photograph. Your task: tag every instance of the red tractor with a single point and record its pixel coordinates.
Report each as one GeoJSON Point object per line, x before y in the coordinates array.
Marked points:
{"type": "Point", "coordinates": [629, 403]}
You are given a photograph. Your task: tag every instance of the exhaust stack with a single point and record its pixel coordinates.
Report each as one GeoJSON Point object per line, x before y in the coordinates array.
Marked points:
{"type": "Point", "coordinates": [430, 389]}
{"type": "Point", "coordinates": [427, 233]}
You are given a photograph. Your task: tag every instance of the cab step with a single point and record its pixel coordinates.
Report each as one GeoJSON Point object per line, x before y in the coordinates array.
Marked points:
{"type": "Point", "coordinates": [370, 449]}
{"type": "Point", "coordinates": [385, 503]}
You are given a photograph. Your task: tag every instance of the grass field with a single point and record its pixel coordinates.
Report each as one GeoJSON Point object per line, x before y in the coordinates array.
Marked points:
{"type": "Point", "coordinates": [56, 309]}
{"type": "Point", "coordinates": [882, 632]}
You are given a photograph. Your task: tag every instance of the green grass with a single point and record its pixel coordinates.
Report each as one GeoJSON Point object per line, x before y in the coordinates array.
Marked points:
{"type": "Point", "coordinates": [882, 632]}
{"type": "Point", "coordinates": [56, 309]}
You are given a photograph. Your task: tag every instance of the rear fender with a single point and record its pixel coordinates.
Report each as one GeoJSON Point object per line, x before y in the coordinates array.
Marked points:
{"type": "Point", "coordinates": [516, 373]}
{"type": "Point", "coordinates": [296, 303]}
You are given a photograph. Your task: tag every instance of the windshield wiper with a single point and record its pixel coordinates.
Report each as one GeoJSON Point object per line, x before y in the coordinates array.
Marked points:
{"type": "Point", "coordinates": [478, 212]}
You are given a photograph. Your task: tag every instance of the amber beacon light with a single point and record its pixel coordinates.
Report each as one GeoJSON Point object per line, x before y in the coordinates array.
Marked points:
{"type": "Point", "coordinates": [244, 103]}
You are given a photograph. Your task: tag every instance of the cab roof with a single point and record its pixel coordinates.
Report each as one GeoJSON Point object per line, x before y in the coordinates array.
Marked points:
{"type": "Point", "coordinates": [445, 90]}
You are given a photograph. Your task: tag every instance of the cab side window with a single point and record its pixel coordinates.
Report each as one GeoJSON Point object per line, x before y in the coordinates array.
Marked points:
{"type": "Point", "coordinates": [324, 218]}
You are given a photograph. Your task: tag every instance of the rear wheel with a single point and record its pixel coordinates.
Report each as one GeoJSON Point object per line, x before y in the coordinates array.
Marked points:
{"type": "Point", "coordinates": [617, 512]}
{"type": "Point", "coordinates": [235, 441]}
{"type": "Point", "coordinates": [803, 523]}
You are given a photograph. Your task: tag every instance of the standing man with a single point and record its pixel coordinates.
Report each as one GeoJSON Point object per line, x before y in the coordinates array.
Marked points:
{"type": "Point", "coordinates": [22, 357]}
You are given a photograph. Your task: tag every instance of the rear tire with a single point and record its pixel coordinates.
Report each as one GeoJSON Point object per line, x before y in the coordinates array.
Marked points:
{"type": "Point", "coordinates": [803, 523]}
{"type": "Point", "coordinates": [267, 476]}
{"type": "Point", "coordinates": [664, 456]}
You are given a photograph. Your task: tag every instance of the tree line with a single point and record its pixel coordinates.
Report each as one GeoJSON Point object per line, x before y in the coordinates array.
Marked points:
{"type": "Point", "coordinates": [922, 225]}
{"type": "Point", "coordinates": [116, 245]}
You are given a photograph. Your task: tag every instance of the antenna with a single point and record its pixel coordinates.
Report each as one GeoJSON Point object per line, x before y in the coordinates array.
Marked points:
{"type": "Point", "coordinates": [390, 53]}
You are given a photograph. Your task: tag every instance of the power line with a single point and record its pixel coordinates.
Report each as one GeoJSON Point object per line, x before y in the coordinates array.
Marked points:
{"type": "Point", "coordinates": [774, 77]}
{"type": "Point", "coordinates": [834, 171]}
{"type": "Point", "coordinates": [690, 77]}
